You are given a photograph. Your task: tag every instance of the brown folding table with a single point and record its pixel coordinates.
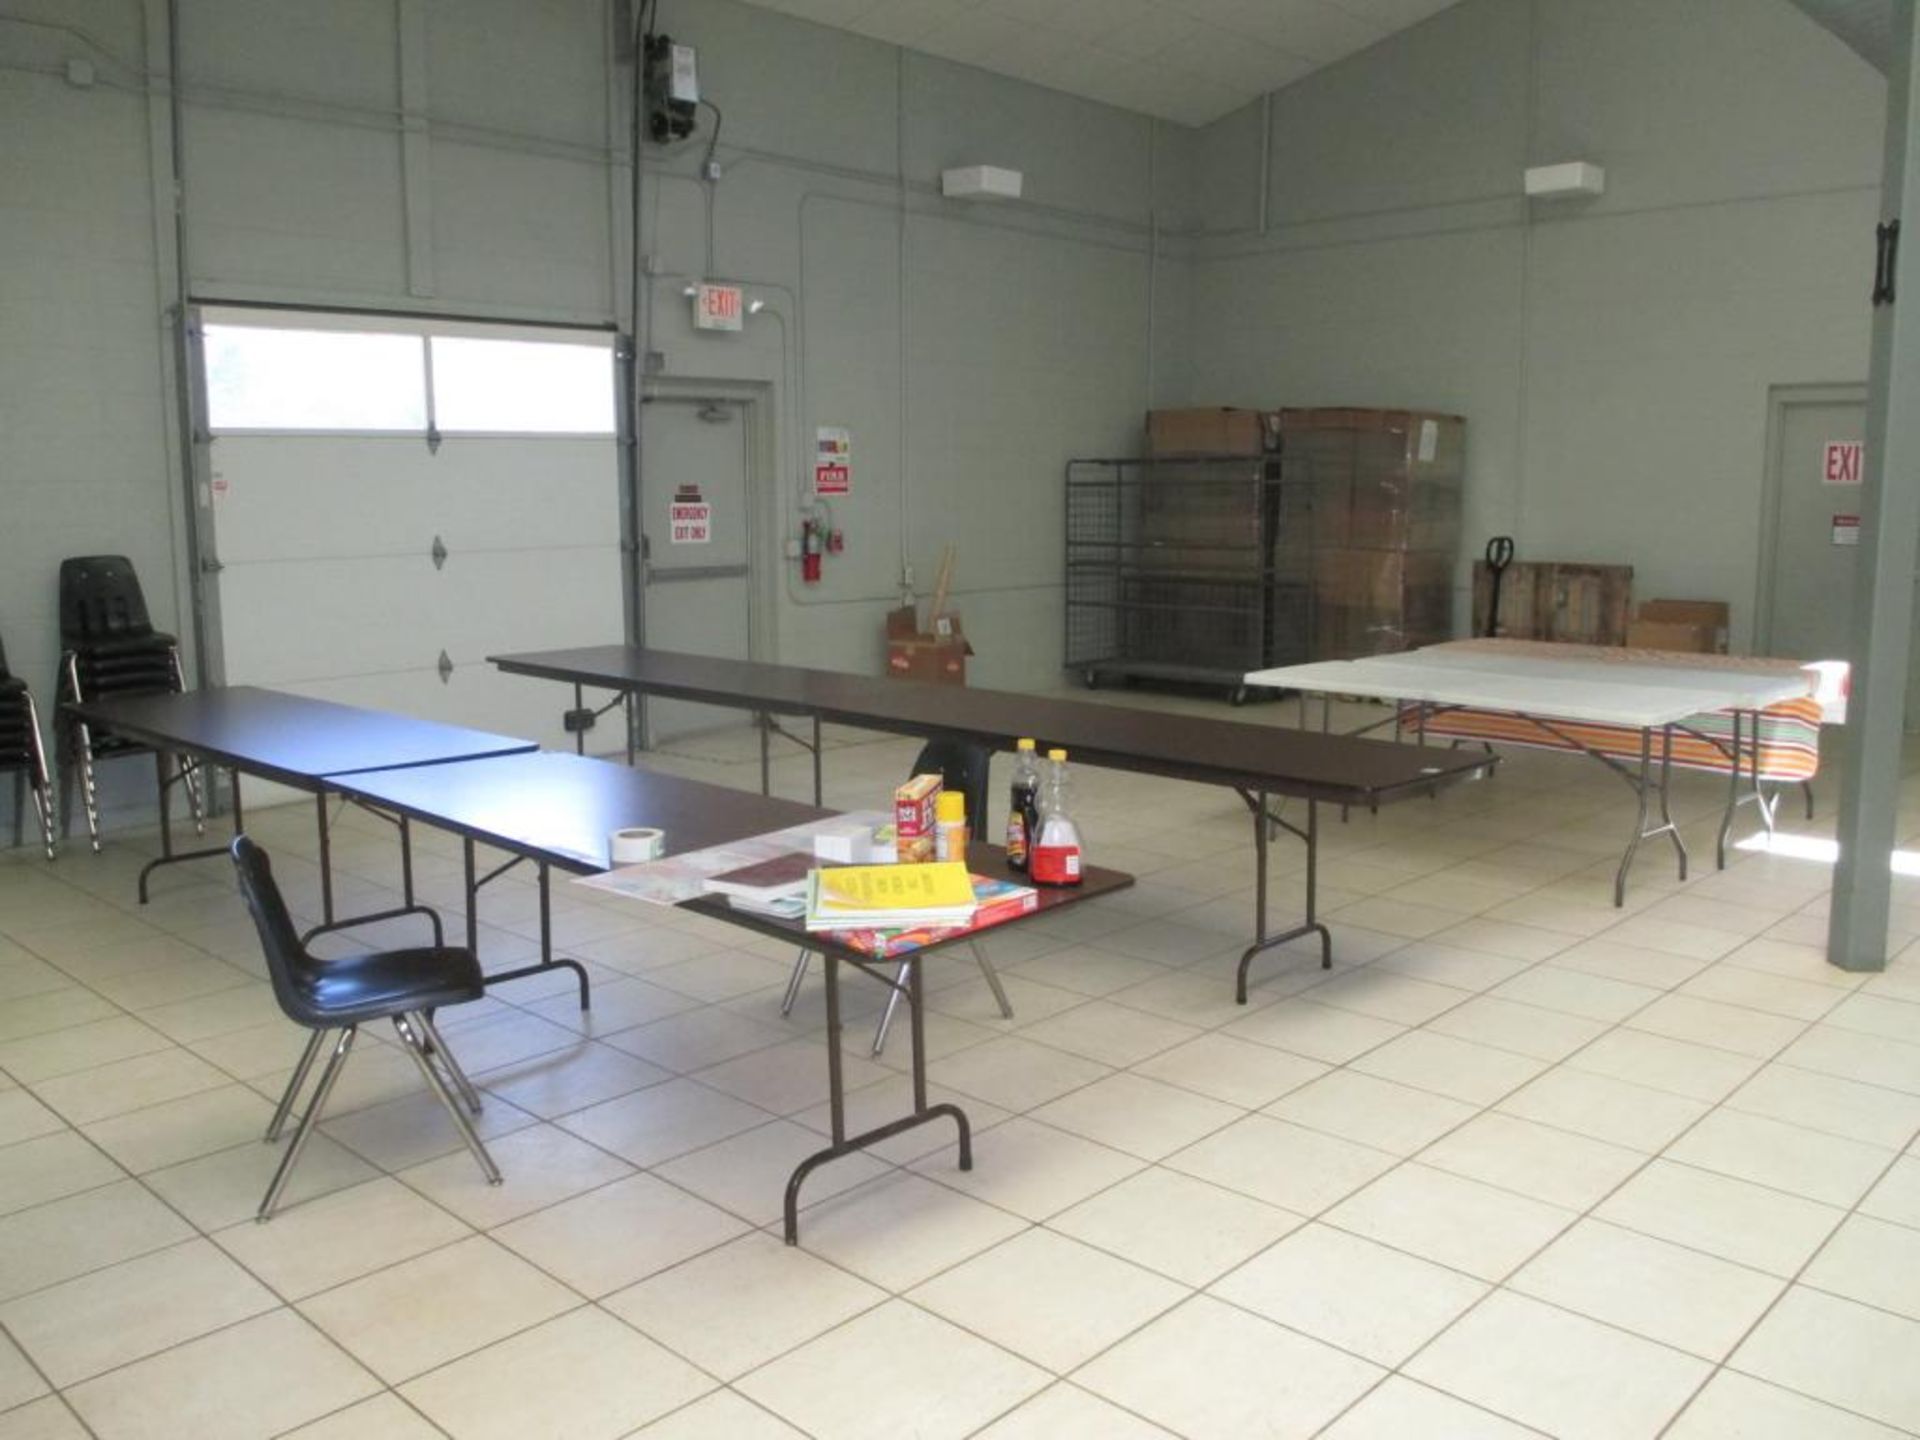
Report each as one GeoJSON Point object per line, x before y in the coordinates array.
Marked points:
{"type": "Point", "coordinates": [1257, 762]}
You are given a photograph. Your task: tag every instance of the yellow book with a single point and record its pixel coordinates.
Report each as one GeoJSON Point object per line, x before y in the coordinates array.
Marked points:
{"type": "Point", "coordinates": [944, 885]}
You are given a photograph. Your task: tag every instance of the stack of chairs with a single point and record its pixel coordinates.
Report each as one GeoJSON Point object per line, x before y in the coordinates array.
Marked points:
{"type": "Point", "coordinates": [111, 650]}
{"type": "Point", "coordinates": [21, 752]}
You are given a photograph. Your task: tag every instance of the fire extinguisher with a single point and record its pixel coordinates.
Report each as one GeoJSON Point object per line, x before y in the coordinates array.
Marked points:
{"type": "Point", "coordinates": [813, 543]}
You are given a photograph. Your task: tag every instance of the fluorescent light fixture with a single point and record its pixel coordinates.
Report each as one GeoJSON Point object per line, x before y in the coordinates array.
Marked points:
{"type": "Point", "coordinates": [1575, 177]}
{"type": "Point", "coordinates": [981, 182]}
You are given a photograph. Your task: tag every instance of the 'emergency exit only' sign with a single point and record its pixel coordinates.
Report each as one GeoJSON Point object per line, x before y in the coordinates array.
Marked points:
{"type": "Point", "coordinates": [1843, 463]}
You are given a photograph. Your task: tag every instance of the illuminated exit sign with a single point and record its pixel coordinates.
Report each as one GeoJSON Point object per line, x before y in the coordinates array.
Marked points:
{"type": "Point", "coordinates": [718, 307]}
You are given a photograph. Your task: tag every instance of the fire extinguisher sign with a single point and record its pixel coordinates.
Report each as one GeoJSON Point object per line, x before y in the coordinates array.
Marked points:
{"type": "Point", "coordinates": [833, 460]}
{"type": "Point", "coordinates": [689, 518]}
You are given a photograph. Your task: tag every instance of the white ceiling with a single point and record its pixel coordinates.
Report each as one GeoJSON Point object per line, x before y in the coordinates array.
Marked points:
{"type": "Point", "coordinates": [1191, 61]}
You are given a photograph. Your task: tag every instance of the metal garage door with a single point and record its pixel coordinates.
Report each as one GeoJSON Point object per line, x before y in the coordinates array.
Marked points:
{"type": "Point", "coordinates": [391, 505]}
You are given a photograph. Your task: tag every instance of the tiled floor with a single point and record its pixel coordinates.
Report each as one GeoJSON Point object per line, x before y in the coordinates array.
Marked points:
{"type": "Point", "coordinates": [1520, 1164]}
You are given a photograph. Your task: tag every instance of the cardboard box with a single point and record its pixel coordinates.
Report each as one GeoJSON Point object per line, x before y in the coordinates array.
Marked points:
{"type": "Point", "coordinates": [1568, 601]}
{"type": "Point", "coordinates": [1384, 479]}
{"type": "Point", "coordinates": [1378, 602]}
{"type": "Point", "coordinates": [1219, 430]}
{"type": "Point", "coordinates": [914, 654]}
{"type": "Point", "coordinates": [1698, 627]}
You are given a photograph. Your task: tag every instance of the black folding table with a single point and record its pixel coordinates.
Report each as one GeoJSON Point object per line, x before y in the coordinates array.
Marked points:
{"type": "Point", "coordinates": [557, 811]}
{"type": "Point", "coordinates": [1257, 762]}
{"type": "Point", "coordinates": [297, 741]}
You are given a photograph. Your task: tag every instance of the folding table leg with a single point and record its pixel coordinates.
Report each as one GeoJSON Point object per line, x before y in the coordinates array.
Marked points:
{"type": "Point", "coordinates": [1310, 923]}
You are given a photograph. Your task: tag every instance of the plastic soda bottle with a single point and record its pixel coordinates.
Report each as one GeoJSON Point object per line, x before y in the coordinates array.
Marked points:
{"type": "Point", "coordinates": [1056, 842]}
{"type": "Point", "coordinates": [1023, 803]}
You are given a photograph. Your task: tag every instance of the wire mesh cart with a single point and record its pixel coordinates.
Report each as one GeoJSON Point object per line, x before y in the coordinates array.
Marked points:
{"type": "Point", "coordinates": [1191, 570]}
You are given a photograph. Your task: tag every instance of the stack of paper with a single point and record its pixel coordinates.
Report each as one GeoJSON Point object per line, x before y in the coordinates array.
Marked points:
{"type": "Point", "coordinates": [882, 897]}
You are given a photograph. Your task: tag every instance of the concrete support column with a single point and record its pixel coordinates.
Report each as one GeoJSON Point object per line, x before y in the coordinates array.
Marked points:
{"type": "Point", "coordinates": [1890, 538]}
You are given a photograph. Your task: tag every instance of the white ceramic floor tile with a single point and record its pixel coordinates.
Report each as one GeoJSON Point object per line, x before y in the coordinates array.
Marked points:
{"type": "Point", "coordinates": [1561, 1168]}
{"type": "Point", "coordinates": [747, 1173]}
{"type": "Point", "coordinates": [657, 1123]}
{"type": "Point", "coordinates": [134, 1309]}
{"type": "Point", "coordinates": [1697, 1072]}
{"type": "Point", "coordinates": [411, 1317]}
{"type": "Point", "coordinates": [48, 1167]}
{"type": "Point", "coordinates": [1458, 1069]}
{"type": "Point", "coordinates": [1371, 1111]}
{"type": "Point", "coordinates": [1216, 1230]}
{"type": "Point", "coordinates": [1066, 1412]}
{"type": "Point", "coordinates": [57, 1241]}
{"type": "Point", "coordinates": [1213, 1372]}
{"type": "Point", "coordinates": [1318, 1032]}
{"type": "Point", "coordinates": [1378, 1303]}
{"type": "Point", "coordinates": [1746, 1223]}
{"type": "Point", "coordinates": [1867, 1113]}
{"type": "Point", "coordinates": [1786, 1157]}
{"type": "Point", "coordinates": [260, 1377]}
{"type": "Point", "coordinates": [44, 1419]}
{"type": "Point", "coordinates": [1400, 1409]}
{"type": "Point", "coordinates": [1561, 1373]}
{"type": "Point", "coordinates": [18, 1381]}
{"type": "Point", "coordinates": [832, 1386]}
{"type": "Point", "coordinates": [1111, 1034]}
{"type": "Point", "coordinates": [1138, 1116]}
{"type": "Point", "coordinates": [340, 1237]}
{"type": "Point", "coordinates": [384, 1417]}
{"type": "Point", "coordinates": [1732, 1404]}
{"type": "Point", "coordinates": [539, 1166]}
{"type": "Point", "coordinates": [1897, 1196]}
{"type": "Point", "coordinates": [1048, 1299]}
{"type": "Point", "coordinates": [1455, 1222]}
{"type": "Point", "coordinates": [1031, 1169]}
{"type": "Point", "coordinates": [618, 1233]}
{"type": "Point", "coordinates": [899, 1229]}
{"type": "Point", "coordinates": [1871, 1261]}
{"type": "Point", "coordinates": [1665, 1292]}
{"type": "Point", "coordinates": [1846, 1354]}
{"type": "Point", "coordinates": [1618, 1112]}
{"type": "Point", "coordinates": [744, 1303]}
{"type": "Point", "coordinates": [596, 1380]}
{"type": "Point", "coordinates": [1286, 1165]}
{"type": "Point", "coordinates": [1238, 1072]}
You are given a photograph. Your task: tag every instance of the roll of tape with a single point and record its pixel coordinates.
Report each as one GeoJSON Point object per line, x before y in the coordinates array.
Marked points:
{"type": "Point", "coordinates": [637, 845]}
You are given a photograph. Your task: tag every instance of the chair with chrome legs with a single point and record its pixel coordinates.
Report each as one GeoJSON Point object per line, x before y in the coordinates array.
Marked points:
{"type": "Point", "coordinates": [962, 766]}
{"type": "Point", "coordinates": [110, 649]}
{"type": "Point", "coordinates": [335, 997]}
{"type": "Point", "coordinates": [22, 753]}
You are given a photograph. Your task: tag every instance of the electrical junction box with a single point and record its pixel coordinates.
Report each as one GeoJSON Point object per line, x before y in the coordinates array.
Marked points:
{"type": "Point", "coordinates": [1576, 177]}
{"type": "Point", "coordinates": [672, 89]}
{"type": "Point", "coordinates": [981, 182]}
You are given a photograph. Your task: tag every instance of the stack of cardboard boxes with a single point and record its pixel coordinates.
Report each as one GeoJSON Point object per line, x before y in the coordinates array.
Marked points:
{"type": "Point", "coordinates": [1387, 489]}
{"type": "Point", "coordinates": [1385, 534]}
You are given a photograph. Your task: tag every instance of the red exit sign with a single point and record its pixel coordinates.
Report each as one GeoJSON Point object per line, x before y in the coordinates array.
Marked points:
{"type": "Point", "coordinates": [718, 307]}
{"type": "Point", "coordinates": [1843, 463]}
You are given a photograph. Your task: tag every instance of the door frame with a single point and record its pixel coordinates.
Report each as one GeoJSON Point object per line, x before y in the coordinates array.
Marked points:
{"type": "Point", "coordinates": [754, 400]}
{"type": "Point", "coordinates": [1780, 398]}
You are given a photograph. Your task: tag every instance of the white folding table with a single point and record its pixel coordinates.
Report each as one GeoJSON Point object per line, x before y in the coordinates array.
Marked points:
{"type": "Point", "coordinates": [1655, 700]}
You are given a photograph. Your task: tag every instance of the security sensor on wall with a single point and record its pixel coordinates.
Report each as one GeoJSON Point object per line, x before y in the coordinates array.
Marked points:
{"type": "Point", "coordinates": [981, 182]}
{"type": "Point", "coordinates": [1575, 177]}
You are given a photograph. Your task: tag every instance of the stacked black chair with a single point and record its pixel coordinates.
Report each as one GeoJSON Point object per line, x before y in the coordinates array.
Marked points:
{"type": "Point", "coordinates": [963, 766]}
{"type": "Point", "coordinates": [111, 650]}
{"type": "Point", "coordinates": [22, 753]}
{"type": "Point", "coordinates": [336, 997]}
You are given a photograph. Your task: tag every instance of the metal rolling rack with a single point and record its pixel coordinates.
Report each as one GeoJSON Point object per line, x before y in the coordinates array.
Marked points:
{"type": "Point", "coordinates": [1187, 569]}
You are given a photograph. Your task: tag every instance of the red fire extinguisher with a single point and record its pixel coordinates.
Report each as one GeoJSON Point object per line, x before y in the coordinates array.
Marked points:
{"type": "Point", "coordinates": [813, 544]}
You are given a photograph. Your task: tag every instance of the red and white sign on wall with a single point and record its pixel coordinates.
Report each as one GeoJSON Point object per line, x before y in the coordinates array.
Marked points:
{"type": "Point", "coordinates": [833, 460]}
{"type": "Point", "coordinates": [718, 307]}
{"type": "Point", "coordinates": [689, 518]}
{"type": "Point", "coordinates": [1846, 529]}
{"type": "Point", "coordinates": [1843, 463]}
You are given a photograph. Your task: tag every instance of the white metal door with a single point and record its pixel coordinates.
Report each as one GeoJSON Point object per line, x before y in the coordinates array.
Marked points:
{"type": "Point", "coordinates": [696, 524]}
{"type": "Point", "coordinates": [382, 569]}
{"type": "Point", "coordinates": [1814, 510]}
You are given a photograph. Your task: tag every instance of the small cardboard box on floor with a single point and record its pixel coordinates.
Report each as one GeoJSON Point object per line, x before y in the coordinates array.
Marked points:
{"type": "Point", "coordinates": [916, 654]}
{"type": "Point", "coordinates": [1696, 626]}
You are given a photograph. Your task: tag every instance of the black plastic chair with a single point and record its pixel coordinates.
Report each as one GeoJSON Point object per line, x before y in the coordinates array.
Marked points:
{"type": "Point", "coordinates": [338, 996]}
{"type": "Point", "coordinates": [110, 649]}
{"type": "Point", "coordinates": [22, 753]}
{"type": "Point", "coordinates": [963, 766]}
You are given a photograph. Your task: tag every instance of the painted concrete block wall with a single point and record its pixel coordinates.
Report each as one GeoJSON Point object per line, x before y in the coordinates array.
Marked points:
{"type": "Point", "coordinates": [84, 461]}
{"type": "Point", "coordinates": [1612, 355]}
